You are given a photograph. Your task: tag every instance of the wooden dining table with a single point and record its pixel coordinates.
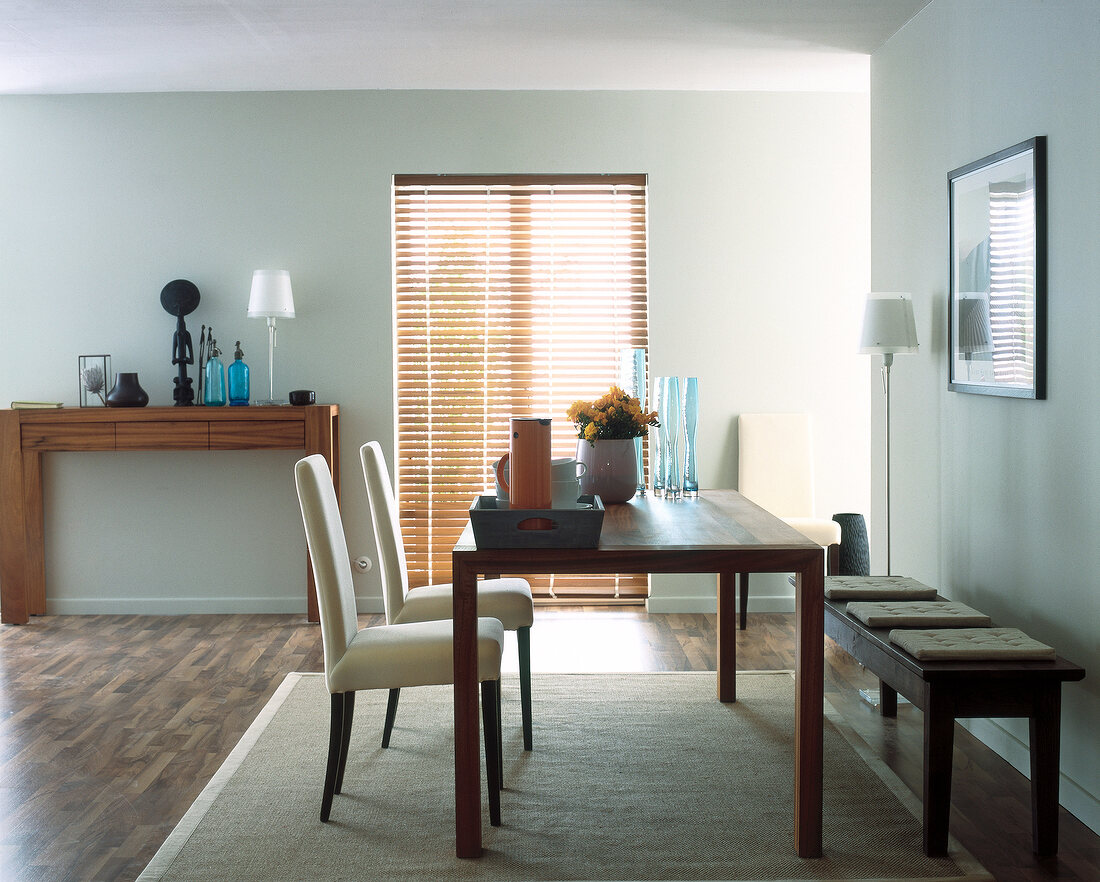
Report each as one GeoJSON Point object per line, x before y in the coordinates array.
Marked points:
{"type": "Point", "coordinates": [718, 532]}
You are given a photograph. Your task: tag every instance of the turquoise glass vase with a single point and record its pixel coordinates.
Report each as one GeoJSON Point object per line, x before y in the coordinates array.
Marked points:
{"type": "Point", "coordinates": [691, 424]}
{"type": "Point", "coordinates": [660, 393]}
{"type": "Point", "coordinates": [632, 380]}
{"type": "Point", "coordinates": [671, 423]}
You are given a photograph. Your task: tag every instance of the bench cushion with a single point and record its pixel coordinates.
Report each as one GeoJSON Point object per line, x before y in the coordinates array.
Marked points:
{"type": "Point", "coordinates": [917, 613]}
{"type": "Point", "coordinates": [971, 644]}
{"type": "Point", "coordinates": [876, 588]}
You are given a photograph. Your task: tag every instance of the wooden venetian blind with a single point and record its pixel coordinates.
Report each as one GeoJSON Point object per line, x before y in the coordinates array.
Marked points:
{"type": "Point", "coordinates": [513, 296]}
{"type": "Point", "coordinates": [1012, 282]}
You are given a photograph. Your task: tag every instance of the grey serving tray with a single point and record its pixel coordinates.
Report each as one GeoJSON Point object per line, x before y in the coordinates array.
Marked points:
{"type": "Point", "coordinates": [496, 527]}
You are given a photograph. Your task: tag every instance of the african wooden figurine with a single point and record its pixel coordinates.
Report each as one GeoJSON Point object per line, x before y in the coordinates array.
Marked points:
{"type": "Point", "coordinates": [180, 298]}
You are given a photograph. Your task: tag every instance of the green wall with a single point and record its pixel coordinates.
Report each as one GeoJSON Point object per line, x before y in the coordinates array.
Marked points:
{"type": "Point", "coordinates": [759, 262]}
{"type": "Point", "coordinates": [995, 499]}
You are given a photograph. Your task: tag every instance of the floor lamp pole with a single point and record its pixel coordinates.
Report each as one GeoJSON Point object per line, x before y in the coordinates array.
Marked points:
{"type": "Point", "coordinates": [271, 364]}
{"type": "Point", "coordinates": [887, 360]}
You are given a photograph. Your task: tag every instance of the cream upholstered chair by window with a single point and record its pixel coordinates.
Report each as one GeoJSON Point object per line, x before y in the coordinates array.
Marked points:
{"type": "Point", "coordinates": [385, 656]}
{"type": "Point", "coordinates": [775, 469]}
{"type": "Point", "coordinates": [508, 600]}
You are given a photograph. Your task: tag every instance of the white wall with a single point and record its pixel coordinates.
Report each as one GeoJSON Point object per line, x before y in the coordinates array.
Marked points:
{"type": "Point", "coordinates": [759, 210]}
{"type": "Point", "coordinates": [994, 500]}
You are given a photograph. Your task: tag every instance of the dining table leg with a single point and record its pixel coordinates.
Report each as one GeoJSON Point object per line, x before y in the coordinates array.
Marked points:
{"type": "Point", "coordinates": [727, 637]}
{"type": "Point", "coordinates": [809, 704]}
{"type": "Point", "coordinates": [467, 738]}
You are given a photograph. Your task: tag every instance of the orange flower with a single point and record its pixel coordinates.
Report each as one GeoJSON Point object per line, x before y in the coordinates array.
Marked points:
{"type": "Point", "coordinates": [614, 415]}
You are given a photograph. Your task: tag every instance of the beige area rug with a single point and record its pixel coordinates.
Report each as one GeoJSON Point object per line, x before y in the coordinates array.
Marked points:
{"type": "Point", "coordinates": [633, 776]}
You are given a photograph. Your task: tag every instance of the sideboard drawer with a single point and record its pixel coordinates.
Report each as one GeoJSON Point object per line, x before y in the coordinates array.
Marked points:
{"type": "Point", "coordinates": [162, 435]}
{"type": "Point", "coordinates": [68, 436]}
{"type": "Point", "coordinates": [257, 434]}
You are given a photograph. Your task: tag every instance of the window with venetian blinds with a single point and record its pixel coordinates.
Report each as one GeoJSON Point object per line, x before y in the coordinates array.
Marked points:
{"type": "Point", "coordinates": [513, 296]}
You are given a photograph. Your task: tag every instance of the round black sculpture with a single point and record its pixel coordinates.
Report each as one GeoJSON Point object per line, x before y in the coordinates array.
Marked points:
{"type": "Point", "coordinates": [179, 298]}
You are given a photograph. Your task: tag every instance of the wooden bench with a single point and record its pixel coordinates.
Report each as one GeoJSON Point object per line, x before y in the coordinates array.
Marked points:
{"type": "Point", "coordinates": [948, 690]}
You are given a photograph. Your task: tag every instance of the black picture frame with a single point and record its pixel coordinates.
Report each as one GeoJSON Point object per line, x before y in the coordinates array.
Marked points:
{"type": "Point", "coordinates": [997, 300]}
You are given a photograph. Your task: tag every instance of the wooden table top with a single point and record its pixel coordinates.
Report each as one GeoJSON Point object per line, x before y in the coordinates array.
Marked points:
{"type": "Point", "coordinates": [716, 520]}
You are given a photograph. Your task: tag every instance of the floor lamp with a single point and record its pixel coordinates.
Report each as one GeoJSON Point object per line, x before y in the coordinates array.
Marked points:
{"type": "Point", "coordinates": [888, 328]}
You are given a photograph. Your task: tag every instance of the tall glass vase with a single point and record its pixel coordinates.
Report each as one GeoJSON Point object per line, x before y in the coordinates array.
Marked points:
{"type": "Point", "coordinates": [632, 380]}
{"type": "Point", "coordinates": [657, 449]}
{"type": "Point", "coordinates": [671, 421]}
{"type": "Point", "coordinates": [691, 422]}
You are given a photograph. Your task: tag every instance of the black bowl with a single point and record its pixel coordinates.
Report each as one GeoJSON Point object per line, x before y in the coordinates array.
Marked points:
{"type": "Point", "coordinates": [302, 396]}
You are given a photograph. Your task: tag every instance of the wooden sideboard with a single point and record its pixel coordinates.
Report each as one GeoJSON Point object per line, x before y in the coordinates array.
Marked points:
{"type": "Point", "coordinates": [26, 434]}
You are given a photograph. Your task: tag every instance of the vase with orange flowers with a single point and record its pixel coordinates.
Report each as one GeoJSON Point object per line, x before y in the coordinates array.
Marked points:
{"type": "Point", "coordinates": [606, 429]}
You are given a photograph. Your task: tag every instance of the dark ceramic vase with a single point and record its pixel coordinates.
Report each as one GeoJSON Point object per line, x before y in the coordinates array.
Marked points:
{"type": "Point", "coordinates": [855, 556]}
{"type": "Point", "coordinates": [127, 392]}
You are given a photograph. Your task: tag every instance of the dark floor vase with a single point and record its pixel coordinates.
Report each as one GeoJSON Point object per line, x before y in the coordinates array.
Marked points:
{"type": "Point", "coordinates": [855, 556]}
{"type": "Point", "coordinates": [127, 392]}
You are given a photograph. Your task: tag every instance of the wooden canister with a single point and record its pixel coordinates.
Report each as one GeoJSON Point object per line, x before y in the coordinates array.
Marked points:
{"type": "Point", "coordinates": [528, 459]}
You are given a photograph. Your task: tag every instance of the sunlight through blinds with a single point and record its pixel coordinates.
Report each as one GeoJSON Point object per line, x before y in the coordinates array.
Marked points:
{"type": "Point", "coordinates": [513, 297]}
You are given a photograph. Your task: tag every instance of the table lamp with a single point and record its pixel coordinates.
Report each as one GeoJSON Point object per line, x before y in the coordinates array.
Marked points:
{"type": "Point", "coordinates": [888, 328]}
{"type": "Point", "coordinates": [271, 298]}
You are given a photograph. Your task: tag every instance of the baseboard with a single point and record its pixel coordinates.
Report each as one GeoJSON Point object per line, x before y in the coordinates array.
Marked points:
{"type": "Point", "coordinates": [708, 603]}
{"type": "Point", "coordinates": [186, 606]}
{"type": "Point", "coordinates": [1071, 796]}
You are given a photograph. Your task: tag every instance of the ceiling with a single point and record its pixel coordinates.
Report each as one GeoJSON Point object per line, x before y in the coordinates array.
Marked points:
{"type": "Point", "coordinates": [70, 46]}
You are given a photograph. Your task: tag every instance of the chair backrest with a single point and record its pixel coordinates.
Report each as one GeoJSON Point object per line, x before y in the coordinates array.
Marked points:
{"type": "Point", "coordinates": [328, 551]}
{"type": "Point", "coordinates": [775, 462]}
{"type": "Point", "coordinates": [387, 529]}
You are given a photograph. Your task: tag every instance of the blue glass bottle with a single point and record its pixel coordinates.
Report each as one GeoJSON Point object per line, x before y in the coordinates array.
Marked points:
{"type": "Point", "coordinates": [214, 393]}
{"type": "Point", "coordinates": [237, 376]}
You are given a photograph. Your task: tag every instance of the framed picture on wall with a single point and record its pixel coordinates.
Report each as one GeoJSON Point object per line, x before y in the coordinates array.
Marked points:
{"type": "Point", "coordinates": [997, 303]}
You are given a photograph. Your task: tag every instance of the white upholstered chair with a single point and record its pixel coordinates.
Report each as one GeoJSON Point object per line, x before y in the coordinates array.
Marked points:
{"type": "Point", "coordinates": [508, 600]}
{"type": "Point", "coordinates": [775, 469]}
{"type": "Point", "coordinates": [385, 656]}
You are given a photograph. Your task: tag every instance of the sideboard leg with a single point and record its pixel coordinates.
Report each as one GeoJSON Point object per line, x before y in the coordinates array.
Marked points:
{"type": "Point", "coordinates": [13, 524]}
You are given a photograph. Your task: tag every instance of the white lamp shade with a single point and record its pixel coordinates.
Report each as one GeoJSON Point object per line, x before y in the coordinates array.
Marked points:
{"type": "Point", "coordinates": [271, 295]}
{"type": "Point", "coordinates": [888, 324]}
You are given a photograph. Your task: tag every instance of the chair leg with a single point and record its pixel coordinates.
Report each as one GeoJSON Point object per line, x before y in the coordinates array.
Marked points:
{"type": "Point", "coordinates": [335, 737]}
{"type": "Point", "coordinates": [345, 739]}
{"type": "Point", "coordinates": [523, 638]}
{"type": "Point", "coordinates": [391, 715]}
{"type": "Point", "coordinates": [500, 736]}
{"type": "Point", "coordinates": [744, 600]}
{"type": "Point", "coordinates": [489, 691]}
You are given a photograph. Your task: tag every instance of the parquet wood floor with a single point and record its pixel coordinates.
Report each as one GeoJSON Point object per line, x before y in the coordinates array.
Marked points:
{"type": "Point", "coordinates": [110, 726]}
